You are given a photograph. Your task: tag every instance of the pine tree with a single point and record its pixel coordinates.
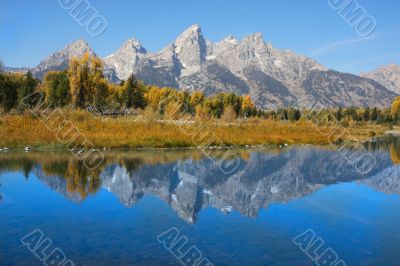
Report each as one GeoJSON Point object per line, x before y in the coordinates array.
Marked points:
{"type": "Point", "coordinates": [374, 114]}
{"type": "Point", "coordinates": [339, 114]}
{"type": "Point", "coordinates": [101, 94]}
{"type": "Point", "coordinates": [132, 94]}
{"type": "Point", "coordinates": [56, 86]}
{"type": "Point", "coordinates": [63, 90]}
{"type": "Point", "coordinates": [282, 114]}
{"type": "Point", "coordinates": [138, 97]}
{"type": "Point", "coordinates": [8, 92]}
{"type": "Point", "coordinates": [26, 97]}
{"type": "Point", "coordinates": [352, 112]}
{"type": "Point", "coordinates": [127, 93]}
{"type": "Point", "coordinates": [366, 115]}
{"type": "Point", "coordinates": [2, 87]}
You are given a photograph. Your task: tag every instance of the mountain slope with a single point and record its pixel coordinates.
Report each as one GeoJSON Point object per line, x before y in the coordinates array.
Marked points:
{"type": "Point", "coordinates": [388, 76]}
{"type": "Point", "coordinates": [333, 89]}
{"type": "Point", "coordinates": [59, 60]}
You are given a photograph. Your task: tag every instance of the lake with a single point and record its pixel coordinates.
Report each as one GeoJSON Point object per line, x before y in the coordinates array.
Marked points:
{"type": "Point", "coordinates": [295, 205]}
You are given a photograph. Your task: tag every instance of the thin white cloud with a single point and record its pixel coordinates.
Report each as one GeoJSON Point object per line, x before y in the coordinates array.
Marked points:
{"type": "Point", "coordinates": [338, 45]}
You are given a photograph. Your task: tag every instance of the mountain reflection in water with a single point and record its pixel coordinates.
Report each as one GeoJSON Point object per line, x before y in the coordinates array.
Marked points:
{"type": "Point", "coordinates": [188, 182]}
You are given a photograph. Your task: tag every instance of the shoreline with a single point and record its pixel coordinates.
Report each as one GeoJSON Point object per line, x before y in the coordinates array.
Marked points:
{"type": "Point", "coordinates": [50, 147]}
{"type": "Point", "coordinates": [44, 148]}
{"type": "Point", "coordinates": [393, 132]}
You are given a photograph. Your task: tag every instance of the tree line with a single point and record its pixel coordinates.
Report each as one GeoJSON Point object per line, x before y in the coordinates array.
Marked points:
{"type": "Point", "coordinates": [84, 85]}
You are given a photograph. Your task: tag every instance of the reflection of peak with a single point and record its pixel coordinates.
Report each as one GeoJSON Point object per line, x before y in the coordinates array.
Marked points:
{"type": "Point", "coordinates": [187, 200]}
{"type": "Point", "coordinates": [188, 186]}
{"type": "Point", "coordinates": [120, 183]}
{"type": "Point", "coordinates": [262, 179]}
{"type": "Point", "coordinates": [387, 181]}
{"type": "Point", "coordinates": [59, 184]}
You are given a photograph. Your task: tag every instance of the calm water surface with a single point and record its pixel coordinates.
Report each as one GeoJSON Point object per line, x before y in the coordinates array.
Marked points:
{"type": "Point", "coordinates": [113, 215]}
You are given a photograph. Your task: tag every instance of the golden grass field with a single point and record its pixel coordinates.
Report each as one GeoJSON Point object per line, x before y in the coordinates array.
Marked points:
{"type": "Point", "coordinates": [128, 132]}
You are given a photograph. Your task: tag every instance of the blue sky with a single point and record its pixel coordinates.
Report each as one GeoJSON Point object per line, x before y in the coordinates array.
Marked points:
{"type": "Point", "coordinates": [32, 30]}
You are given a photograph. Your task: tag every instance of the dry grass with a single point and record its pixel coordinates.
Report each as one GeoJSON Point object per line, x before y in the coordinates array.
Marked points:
{"type": "Point", "coordinates": [125, 132]}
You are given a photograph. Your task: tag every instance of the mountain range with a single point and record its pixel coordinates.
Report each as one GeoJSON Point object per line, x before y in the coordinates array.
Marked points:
{"type": "Point", "coordinates": [272, 77]}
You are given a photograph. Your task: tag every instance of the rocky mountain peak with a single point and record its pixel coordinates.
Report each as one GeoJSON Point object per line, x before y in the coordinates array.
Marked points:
{"type": "Point", "coordinates": [78, 44]}
{"type": "Point", "coordinates": [389, 67]}
{"type": "Point", "coordinates": [231, 40]}
{"type": "Point", "coordinates": [393, 66]}
{"type": "Point", "coordinates": [133, 44]}
{"type": "Point", "coordinates": [228, 43]}
{"type": "Point", "coordinates": [191, 36]}
{"type": "Point", "coordinates": [195, 28]}
{"type": "Point", "coordinates": [190, 49]}
{"type": "Point", "coordinates": [127, 58]}
{"type": "Point", "coordinates": [59, 60]}
{"type": "Point", "coordinates": [255, 38]}
{"type": "Point", "coordinates": [388, 76]}
{"type": "Point", "coordinates": [77, 48]}
{"type": "Point", "coordinates": [253, 47]}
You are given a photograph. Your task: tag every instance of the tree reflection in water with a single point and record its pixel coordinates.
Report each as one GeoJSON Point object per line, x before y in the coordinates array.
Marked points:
{"type": "Point", "coordinates": [188, 182]}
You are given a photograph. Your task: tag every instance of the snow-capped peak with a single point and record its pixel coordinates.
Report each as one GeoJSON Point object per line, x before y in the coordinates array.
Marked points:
{"type": "Point", "coordinates": [231, 39]}
{"type": "Point", "coordinates": [134, 43]}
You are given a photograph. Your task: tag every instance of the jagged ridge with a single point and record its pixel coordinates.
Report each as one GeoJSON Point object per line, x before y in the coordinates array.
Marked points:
{"type": "Point", "coordinates": [273, 77]}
